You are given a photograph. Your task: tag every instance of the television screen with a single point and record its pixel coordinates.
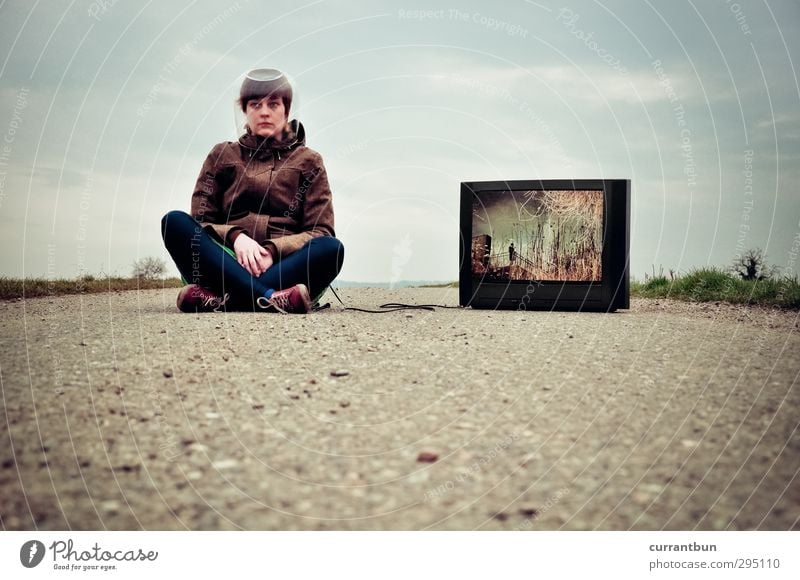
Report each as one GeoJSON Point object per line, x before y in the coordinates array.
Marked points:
{"type": "Point", "coordinates": [545, 244]}
{"type": "Point", "coordinates": [538, 235]}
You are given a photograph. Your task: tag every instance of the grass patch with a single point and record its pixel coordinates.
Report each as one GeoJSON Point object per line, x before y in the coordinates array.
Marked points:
{"type": "Point", "coordinates": [12, 288]}
{"type": "Point", "coordinates": [714, 284]}
{"type": "Point", "coordinates": [655, 287]}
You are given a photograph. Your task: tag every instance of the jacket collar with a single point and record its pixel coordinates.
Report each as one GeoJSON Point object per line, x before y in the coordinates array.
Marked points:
{"type": "Point", "coordinates": [264, 147]}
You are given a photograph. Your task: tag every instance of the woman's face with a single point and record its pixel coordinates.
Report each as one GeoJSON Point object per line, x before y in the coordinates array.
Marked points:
{"type": "Point", "coordinates": [266, 117]}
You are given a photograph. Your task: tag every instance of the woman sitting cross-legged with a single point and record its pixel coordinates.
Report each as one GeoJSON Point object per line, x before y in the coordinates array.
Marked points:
{"type": "Point", "coordinates": [264, 199]}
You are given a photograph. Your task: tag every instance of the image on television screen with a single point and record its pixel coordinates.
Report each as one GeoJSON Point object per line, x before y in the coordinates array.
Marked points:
{"type": "Point", "coordinates": [547, 235]}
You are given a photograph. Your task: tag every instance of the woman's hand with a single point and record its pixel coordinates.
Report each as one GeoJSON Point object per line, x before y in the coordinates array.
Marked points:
{"type": "Point", "coordinates": [253, 257]}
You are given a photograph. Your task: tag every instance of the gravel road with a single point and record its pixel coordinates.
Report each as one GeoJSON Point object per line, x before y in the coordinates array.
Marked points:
{"type": "Point", "coordinates": [122, 413]}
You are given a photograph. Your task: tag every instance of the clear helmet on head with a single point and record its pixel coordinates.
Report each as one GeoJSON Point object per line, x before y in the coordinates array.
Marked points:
{"type": "Point", "coordinates": [264, 82]}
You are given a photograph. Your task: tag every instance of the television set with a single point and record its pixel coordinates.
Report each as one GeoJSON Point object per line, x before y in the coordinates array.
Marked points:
{"type": "Point", "coordinates": [545, 244]}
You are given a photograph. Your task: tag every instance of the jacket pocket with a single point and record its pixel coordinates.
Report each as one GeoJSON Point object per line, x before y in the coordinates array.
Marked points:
{"type": "Point", "coordinates": [245, 222]}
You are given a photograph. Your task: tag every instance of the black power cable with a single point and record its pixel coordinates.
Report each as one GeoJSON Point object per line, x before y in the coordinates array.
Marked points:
{"type": "Point", "coordinates": [388, 307]}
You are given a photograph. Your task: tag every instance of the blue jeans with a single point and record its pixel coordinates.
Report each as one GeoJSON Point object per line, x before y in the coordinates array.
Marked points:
{"type": "Point", "coordinates": [201, 260]}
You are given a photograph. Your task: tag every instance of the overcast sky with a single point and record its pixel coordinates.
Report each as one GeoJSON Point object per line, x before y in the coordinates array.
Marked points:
{"type": "Point", "coordinates": [109, 109]}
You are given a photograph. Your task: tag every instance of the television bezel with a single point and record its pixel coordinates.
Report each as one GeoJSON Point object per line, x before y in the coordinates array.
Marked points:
{"type": "Point", "coordinates": [611, 293]}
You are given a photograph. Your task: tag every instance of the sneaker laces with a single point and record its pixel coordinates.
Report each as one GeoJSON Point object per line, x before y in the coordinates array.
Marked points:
{"type": "Point", "coordinates": [279, 303]}
{"type": "Point", "coordinates": [216, 302]}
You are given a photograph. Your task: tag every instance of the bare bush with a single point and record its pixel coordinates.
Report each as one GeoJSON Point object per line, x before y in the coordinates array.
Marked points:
{"type": "Point", "coordinates": [752, 265]}
{"type": "Point", "coordinates": [149, 268]}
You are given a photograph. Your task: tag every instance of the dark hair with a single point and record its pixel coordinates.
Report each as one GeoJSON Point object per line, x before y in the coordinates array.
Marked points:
{"type": "Point", "coordinates": [265, 82]}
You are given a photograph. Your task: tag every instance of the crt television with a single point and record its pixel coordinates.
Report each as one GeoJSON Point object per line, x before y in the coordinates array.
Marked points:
{"type": "Point", "coordinates": [545, 244]}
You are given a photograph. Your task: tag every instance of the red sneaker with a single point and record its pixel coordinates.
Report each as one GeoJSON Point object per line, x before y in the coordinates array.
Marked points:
{"type": "Point", "coordinates": [294, 300]}
{"type": "Point", "coordinates": [194, 298]}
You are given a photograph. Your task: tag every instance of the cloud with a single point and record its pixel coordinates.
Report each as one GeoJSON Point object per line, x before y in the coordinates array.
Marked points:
{"type": "Point", "coordinates": [574, 86]}
{"type": "Point", "coordinates": [782, 120]}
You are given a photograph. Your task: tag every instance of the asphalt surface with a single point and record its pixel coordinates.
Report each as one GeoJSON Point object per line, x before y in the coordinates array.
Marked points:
{"type": "Point", "coordinates": [121, 413]}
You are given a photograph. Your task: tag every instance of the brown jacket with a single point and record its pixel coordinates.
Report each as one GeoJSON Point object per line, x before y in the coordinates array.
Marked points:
{"type": "Point", "coordinates": [276, 192]}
